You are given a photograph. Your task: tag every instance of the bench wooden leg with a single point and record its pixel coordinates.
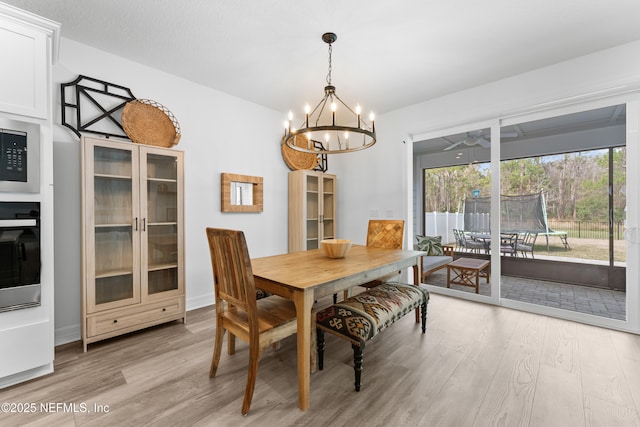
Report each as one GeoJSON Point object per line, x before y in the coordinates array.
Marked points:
{"type": "Point", "coordinates": [423, 316]}
{"type": "Point", "coordinates": [320, 345]}
{"type": "Point", "coordinates": [357, 364]}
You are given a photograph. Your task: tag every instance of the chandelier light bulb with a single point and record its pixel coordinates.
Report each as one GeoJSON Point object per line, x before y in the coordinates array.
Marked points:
{"type": "Point", "coordinates": [307, 110]}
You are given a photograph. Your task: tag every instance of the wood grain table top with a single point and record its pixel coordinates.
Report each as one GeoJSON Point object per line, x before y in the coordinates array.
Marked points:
{"type": "Point", "coordinates": [310, 269]}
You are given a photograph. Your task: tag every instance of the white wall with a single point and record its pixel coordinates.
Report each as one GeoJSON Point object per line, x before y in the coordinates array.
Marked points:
{"type": "Point", "coordinates": [226, 134]}
{"type": "Point", "coordinates": [376, 179]}
{"type": "Point", "coordinates": [220, 133]}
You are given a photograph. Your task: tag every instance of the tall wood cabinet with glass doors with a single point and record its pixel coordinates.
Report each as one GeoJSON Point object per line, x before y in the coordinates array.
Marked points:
{"type": "Point", "coordinates": [312, 209]}
{"type": "Point", "coordinates": [133, 237]}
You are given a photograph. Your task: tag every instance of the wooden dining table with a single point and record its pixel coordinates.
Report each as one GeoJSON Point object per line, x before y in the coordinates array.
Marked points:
{"type": "Point", "coordinates": [306, 276]}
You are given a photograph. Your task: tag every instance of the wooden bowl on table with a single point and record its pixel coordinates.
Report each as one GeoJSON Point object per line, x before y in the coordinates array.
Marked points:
{"type": "Point", "coordinates": [335, 248]}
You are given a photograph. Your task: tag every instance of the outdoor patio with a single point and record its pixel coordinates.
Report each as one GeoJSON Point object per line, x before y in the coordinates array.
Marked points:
{"type": "Point", "coordinates": [583, 299]}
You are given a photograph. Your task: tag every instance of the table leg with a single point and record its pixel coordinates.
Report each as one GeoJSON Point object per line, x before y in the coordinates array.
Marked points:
{"type": "Point", "coordinates": [477, 280]}
{"type": "Point", "coordinates": [416, 281]}
{"type": "Point", "coordinates": [303, 301]}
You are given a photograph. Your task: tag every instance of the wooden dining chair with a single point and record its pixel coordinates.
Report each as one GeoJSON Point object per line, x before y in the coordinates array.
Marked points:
{"type": "Point", "coordinates": [259, 322]}
{"type": "Point", "coordinates": [381, 233]}
{"type": "Point", "coordinates": [384, 233]}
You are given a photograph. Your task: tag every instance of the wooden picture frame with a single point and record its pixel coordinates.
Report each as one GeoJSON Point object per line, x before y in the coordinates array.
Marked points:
{"type": "Point", "coordinates": [241, 193]}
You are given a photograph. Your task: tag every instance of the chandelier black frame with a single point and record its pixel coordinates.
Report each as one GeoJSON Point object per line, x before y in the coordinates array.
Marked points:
{"type": "Point", "coordinates": [321, 134]}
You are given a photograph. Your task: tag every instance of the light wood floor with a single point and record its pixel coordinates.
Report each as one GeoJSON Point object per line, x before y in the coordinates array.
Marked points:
{"type": "Point", "coordinates": [477, 365]}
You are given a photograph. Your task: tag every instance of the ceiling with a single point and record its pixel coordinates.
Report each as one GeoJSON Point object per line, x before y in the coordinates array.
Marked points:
{"type": "Point", "coordinates": [573, 127]}
{"type": "Point", "coordinates": [389, 53]}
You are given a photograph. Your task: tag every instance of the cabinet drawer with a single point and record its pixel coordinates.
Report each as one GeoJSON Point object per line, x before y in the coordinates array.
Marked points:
{"type": "Point", "coordinates": [133, 318]}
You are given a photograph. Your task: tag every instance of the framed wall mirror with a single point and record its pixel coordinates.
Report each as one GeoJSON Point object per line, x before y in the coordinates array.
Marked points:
{"type": "Point", "coordinates": [241, 193]}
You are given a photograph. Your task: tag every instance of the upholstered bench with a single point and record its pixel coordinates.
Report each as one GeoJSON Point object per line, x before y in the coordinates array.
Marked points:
{"type": "Point", "coordinates": [361, 317]}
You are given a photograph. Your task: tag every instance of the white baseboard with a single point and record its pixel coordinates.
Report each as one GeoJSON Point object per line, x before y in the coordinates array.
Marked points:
{"type": "Point", "coordinates": [201, 301]}
{"type": "Point", "coordinates": [68, 334]}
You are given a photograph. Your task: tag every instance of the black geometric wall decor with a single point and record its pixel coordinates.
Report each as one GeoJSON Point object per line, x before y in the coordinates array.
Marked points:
{"type": "Point", "coordinates": [94, 106]}
{"type": "Point", "coordinates": [323, 164]}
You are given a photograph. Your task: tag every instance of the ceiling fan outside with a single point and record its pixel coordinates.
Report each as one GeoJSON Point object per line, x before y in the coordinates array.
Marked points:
{"type": "Point", "coordinates": [470, 142]}
{"type": "Point", "coordinates": [480, 140]}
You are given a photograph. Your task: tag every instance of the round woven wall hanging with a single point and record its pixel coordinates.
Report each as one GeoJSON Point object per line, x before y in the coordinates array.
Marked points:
{"type": "Point", "coordinates": [149, 122]}
{"type": "Point", "coordinates": [297, 159]}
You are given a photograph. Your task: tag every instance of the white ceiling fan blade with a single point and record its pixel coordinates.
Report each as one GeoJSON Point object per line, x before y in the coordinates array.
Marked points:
{"type": "Point", "coordinates": [483, 142]}
{"type": "Point", "coordinates": [452, 146]}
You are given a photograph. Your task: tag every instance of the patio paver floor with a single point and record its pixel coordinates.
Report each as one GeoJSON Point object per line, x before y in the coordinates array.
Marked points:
{"type": "Point", "coordinates": [583, 299]}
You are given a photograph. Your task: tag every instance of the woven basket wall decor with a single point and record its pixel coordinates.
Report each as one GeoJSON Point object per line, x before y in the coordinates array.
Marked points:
{"type": "Point", "coordinates": [149, 122]}
{"type": "Point", "coordinates": [297, 159]}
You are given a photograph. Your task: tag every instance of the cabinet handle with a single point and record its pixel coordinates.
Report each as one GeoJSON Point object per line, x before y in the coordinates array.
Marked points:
{"type": "Point", "coordinates": [136, 229]}
{"type": "Point", "coordinates": [144, 224]}
{"type": "Point", "coordinates": [164, 309]}
{"type": "Point", "coordinates": [115, 320]}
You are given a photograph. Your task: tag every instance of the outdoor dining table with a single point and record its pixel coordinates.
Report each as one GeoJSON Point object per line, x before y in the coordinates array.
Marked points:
{"type": "Point", "coordinates": [486, 238]}
{"type": "Point", "coordinates": [306, 276]}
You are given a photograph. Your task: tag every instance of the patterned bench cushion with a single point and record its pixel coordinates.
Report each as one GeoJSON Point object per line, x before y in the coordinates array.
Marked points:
{"type": "Point", "coordinates": [363, 316]}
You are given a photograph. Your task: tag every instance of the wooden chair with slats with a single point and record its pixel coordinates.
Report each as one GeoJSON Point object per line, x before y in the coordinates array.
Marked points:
{"type": "Point", "coordinates": [259, 322]}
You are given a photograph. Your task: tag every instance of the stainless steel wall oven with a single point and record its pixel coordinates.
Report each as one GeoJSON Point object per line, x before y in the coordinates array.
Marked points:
{"type": "Point", "coordinates": [19, 255]}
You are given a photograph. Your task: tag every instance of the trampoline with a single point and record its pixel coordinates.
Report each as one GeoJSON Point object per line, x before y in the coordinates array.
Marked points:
{"type": "Point", "coordinates": [518, 214]}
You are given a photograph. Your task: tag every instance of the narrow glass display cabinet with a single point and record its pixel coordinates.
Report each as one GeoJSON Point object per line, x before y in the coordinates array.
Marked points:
{"type": "Point", "coordinates": [132, 237]}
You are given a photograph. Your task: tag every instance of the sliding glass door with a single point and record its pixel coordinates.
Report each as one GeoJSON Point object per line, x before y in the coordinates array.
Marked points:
{"type": "Point", "coordinates": [562, 195]}
{"type": "Point", "coordinates": [461, 171]}
{"type": "Point", "coordinates": [544, 198]}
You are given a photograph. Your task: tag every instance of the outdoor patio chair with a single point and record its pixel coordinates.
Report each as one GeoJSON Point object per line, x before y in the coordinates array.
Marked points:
{"type": "Point", "coordinates": [459, 239]}
{"type": "Point", "coordinates": [527, 243]}
{"type": "Point", "coordinates": [470, 244]}
{"type": "Point", "coordinates": [509, 244]}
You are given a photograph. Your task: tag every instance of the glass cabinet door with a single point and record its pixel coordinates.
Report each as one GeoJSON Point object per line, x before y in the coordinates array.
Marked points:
{"type": "Point", "coordinates": [327, 220]}
{"type": "Point", "coordinates": [111, 182]}
{"type": "Point", "coordinates": [161, 201]}
{"type": "Point", "coordinates": [313, 212]}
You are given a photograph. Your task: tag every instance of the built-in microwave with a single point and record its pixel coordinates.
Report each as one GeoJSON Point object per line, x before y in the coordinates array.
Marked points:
{"type": "Point", "coordinates": [20, 259]}
{"type": "Point", "coordinates": [19, 156]}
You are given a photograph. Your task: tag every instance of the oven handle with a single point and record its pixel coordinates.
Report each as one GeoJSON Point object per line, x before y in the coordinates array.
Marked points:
{"type": "Point", "coordinates": [6, 223]}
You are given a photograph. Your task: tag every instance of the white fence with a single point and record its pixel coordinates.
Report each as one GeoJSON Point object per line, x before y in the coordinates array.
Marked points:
{"type": "Point", "coordinates": [443, 223]}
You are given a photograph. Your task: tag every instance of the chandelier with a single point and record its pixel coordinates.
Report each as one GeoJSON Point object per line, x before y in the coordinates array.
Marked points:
{"type": "Point", "coordinates": [320, 132]}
